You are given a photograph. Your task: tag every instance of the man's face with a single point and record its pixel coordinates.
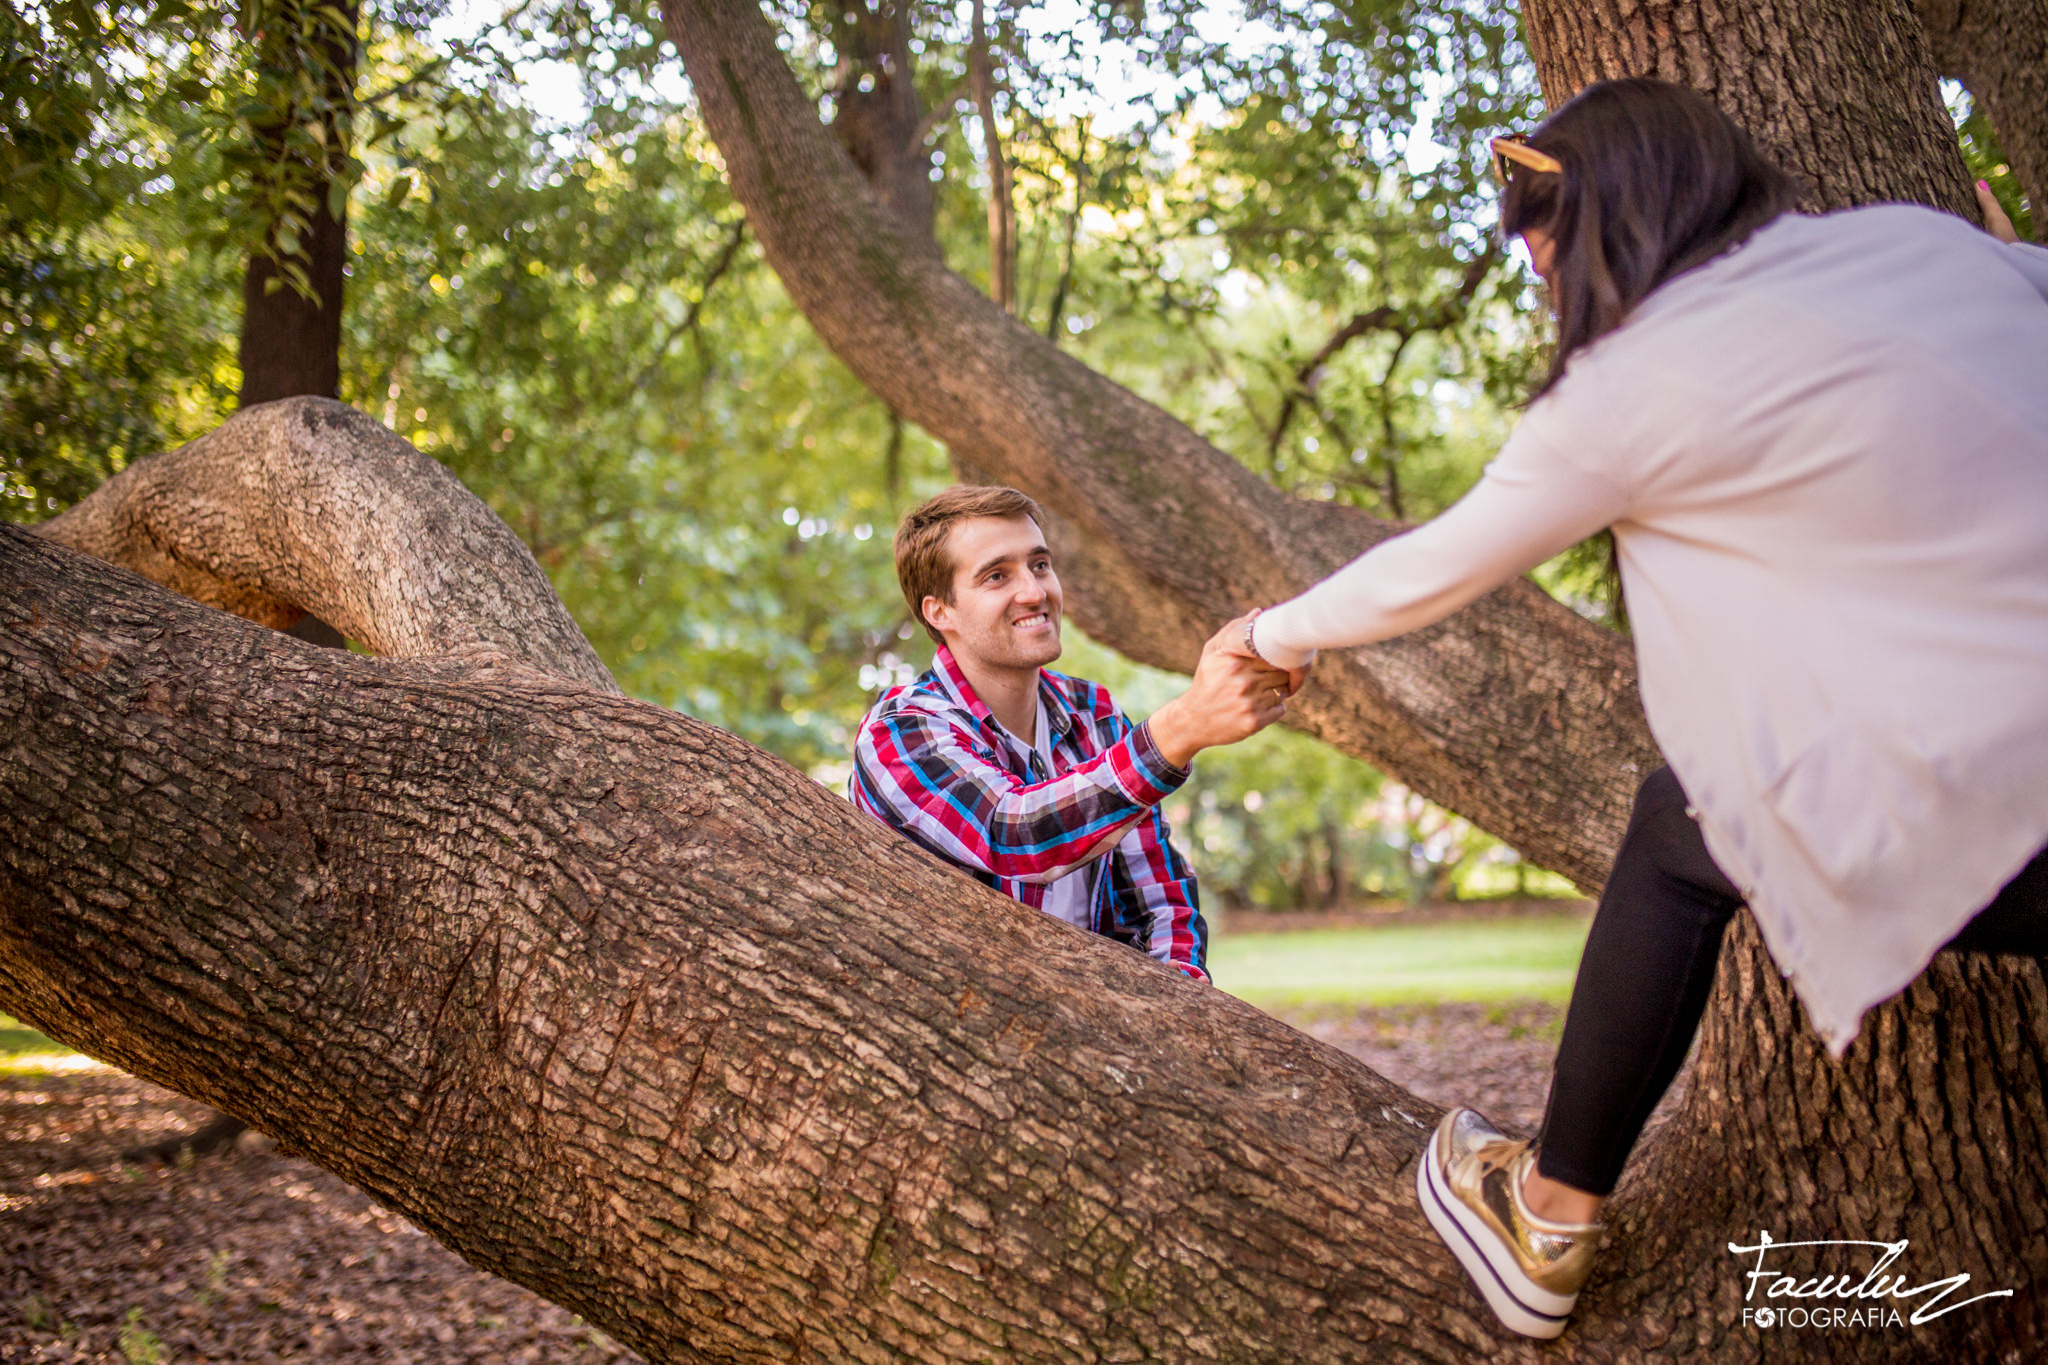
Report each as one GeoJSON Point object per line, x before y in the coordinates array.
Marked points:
{"type": "Point", "coordinates": [1005, 611]}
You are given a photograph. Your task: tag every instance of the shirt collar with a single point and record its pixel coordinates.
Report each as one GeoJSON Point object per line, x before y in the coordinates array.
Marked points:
{"type": "Point", "coordinates": [1059, 707]}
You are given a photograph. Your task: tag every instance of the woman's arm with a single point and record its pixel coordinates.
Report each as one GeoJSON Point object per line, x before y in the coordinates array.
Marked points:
{"type": "Point", "coordinates": [1532, 503]}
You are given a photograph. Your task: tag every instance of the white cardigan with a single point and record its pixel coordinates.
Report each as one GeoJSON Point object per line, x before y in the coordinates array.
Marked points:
{"type": "Point", "coordinates": [1825, 459]}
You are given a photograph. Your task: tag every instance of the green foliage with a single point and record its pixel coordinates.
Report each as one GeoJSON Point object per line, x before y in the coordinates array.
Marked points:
{"type": "Point", "coordinates": [1987, 161]}
{"type": "Point", "coordinates": [112, 327]}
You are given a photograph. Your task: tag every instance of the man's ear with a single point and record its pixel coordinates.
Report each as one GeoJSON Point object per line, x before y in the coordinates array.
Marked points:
{"type": "Point", "coordinates": [938, 614]}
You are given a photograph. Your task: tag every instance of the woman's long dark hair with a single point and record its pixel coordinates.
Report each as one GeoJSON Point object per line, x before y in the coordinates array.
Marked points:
{"type": "Point", "coordinates": [1656, 180]}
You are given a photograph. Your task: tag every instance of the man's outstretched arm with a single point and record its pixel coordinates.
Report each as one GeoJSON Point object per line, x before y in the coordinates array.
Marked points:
{"type": "Point", "coordinates": [943, 785]}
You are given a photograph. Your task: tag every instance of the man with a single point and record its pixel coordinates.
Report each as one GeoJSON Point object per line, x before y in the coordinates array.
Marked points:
{"type": "Point", "coordinates": [1034, 781]}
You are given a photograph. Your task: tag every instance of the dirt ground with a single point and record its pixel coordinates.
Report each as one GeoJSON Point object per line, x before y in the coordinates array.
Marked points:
{"type": "Point", "coordinates": [252, 1257]}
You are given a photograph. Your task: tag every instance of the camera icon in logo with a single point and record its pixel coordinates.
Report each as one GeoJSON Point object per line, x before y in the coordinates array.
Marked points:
{"type": "Point", "coordinates": [1766, 1317]}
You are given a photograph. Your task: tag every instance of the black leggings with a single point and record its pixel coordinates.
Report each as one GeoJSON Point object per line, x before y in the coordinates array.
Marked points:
{"type": "Point", "coordinates": [1649, 967]}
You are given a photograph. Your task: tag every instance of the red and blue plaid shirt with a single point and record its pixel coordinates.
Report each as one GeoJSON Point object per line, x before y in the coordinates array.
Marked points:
{"type": "Point", "coordinates": [932, 762]}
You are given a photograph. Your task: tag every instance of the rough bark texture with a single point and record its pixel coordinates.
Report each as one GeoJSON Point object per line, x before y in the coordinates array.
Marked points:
{"type": "Point", "coordinates": [1844, 96]}
{"type": "Point", "coordinates": [306, 505]}
{"type": "Point", "coordinates": [1519, 715]}
{"type": "Point", "coordinates": [1999, 50]}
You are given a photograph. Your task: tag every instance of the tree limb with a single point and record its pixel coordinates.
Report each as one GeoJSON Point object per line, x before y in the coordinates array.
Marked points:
{"type": "Point", "coordinates": [306, 505]}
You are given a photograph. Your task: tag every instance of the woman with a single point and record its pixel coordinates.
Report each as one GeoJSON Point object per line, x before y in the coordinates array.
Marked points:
{"type": "Point", "coordinates": [1822, 446]}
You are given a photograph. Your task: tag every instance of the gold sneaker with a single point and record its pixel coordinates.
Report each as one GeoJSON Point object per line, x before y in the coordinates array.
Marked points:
{"type": "Point", "coordinates": [1528, 1268]}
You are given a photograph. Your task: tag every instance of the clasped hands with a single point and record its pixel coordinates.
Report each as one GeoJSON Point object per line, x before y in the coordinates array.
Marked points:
{"type": "Point", "coordinates": [1234, 695]}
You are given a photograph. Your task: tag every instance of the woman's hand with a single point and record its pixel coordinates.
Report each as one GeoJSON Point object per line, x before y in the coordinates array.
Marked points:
{"type": "Point", "coordinates": [1995, 221]}
{"type": "Point", "coordinates": [1235, 638]}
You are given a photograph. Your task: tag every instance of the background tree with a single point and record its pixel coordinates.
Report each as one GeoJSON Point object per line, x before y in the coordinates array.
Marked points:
{"type": "Point", "coordinates": [299, 165]}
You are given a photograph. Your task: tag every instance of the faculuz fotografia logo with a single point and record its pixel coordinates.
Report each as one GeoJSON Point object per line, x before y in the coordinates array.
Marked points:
{"type": "Point", "coordinates": [1826, 1286]}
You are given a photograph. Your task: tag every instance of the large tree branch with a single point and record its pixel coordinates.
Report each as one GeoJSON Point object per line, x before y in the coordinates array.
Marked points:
{"type": "Point", "coordinates": [636, 1015]}
{"type": "Point", "coordinates": [306, 505]}
{"type": "Point", "coordinates": [1169, 535]}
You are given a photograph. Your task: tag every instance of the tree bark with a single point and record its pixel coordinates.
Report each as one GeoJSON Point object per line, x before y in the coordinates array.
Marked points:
{"type": "Point", "coordinates": [306, 505]}
{"type": "Point", "coordinates": [1999, 50]}
{"type": "Point", "coordinates": [638, 1016]}
{"type": "Point", "coordinates": [291, 333]}
{"type": "Point", "coordinates": [1850, 105]}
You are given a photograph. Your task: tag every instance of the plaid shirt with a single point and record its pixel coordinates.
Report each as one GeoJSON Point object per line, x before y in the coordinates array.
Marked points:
{"type": "Point", "coordinates": [932, 762]}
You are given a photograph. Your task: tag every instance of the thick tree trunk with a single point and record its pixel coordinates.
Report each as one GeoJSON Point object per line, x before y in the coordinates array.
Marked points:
{"type": "Point", "coordinates": [1843, 96]}
{"type": "Point", "coordinates": [1520, 715]}
{"type": "Point", "coordinates": [1999, 50]}
{"type": "Point", "coordinates": [291, 343]}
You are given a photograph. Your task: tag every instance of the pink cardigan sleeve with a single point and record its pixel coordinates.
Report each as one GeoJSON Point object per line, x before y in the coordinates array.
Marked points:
{"type": "Point", "coordinates": [1533, 502]}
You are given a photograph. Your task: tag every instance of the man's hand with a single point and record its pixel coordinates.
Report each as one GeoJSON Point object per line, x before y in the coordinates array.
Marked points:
{"type": "Point", "coordinates": [1236, 638]}
{"type": "Point", "coordinates": [1234, 695]}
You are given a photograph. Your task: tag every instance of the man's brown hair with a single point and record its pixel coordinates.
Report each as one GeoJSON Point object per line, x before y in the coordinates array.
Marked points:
{"type": "Point", "coordinates": [923, 568]}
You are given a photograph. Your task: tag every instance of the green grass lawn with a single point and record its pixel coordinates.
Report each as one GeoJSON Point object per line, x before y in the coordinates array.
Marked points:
{"type": "Point", "coordinates": [23, 1049]}
{"type": "Point", "coordinates": [1529, 958]}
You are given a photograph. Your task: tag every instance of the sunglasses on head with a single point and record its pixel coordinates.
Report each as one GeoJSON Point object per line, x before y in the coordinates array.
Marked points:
{"type": "Point", "coordinates": [1508, 154]}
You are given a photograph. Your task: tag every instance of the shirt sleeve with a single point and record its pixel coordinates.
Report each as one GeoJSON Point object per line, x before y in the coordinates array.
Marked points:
{"type": "Point", "coordinates": [2032, 263]}
{"type": "Point", "coordinates": [1532, 503]}
{"type": "Point", "coordinates": [946, 788]}
{"type": "Point", "coordinates": [1153, 899]}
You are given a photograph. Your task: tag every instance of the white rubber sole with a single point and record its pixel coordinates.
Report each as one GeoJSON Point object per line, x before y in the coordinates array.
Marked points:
{"type": "Point", "coordinates": [1522, 1305]}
